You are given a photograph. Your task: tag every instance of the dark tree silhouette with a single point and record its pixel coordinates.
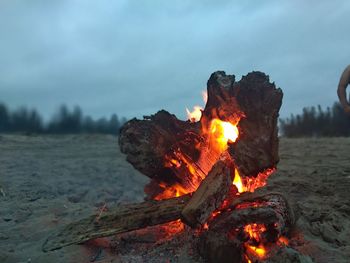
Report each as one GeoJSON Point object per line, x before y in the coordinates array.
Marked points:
{"type": "Point", "coordinates": [63, 122]}
{"type": "Point", "coordinates": [66, 121]}
{"type": "Point", "coordinates": [4, 118]}
{"type": "Point", "coordinates": [317, 123]}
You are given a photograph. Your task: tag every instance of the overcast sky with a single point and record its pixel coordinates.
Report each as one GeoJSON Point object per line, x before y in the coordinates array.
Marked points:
{"type": "Point", "coordinates": [134, 57]}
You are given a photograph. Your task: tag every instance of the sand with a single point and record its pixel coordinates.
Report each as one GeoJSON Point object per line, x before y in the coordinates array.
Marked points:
{"type": "Point", "coordinates": [49, 181]}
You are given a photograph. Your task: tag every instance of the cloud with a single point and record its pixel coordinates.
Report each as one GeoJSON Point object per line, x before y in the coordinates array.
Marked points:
{"type": "Point", "coordinates": [135, 57]}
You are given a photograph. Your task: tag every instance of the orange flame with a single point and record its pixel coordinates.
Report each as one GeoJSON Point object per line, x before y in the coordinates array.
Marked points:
{"type": "Point", "coordinates": [222, 133]}
{"type": "Point", "coordinates": [254, 231]}
{"type": "Point", "coordinates": [175, 190]}
{"type": "Point", "coordinates": [260, 251]}
{"type": "Point", "coordinates": [251, 184]}
{"type": "Point", "coordinates": [238, 182]}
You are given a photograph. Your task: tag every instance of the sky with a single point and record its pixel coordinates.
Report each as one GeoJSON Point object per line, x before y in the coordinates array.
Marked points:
{"type": "Point", "coordinates": [134, 57]}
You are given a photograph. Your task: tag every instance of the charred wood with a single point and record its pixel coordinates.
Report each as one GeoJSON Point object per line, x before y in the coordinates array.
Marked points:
{"type": "Point", "coordinates": [227, 228]}
{"type": "Point", "coordinates": [126, 218]}
{"type": "Point", "coordinates": [209, 196]}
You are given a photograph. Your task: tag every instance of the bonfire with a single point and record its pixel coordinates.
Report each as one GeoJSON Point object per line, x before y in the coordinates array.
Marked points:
{"type": "Point", "coordinates": [205, 174]}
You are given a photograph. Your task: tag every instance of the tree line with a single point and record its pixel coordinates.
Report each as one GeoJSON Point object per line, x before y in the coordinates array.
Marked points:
{"type": "Point", "coordinates": [312, 122]}
{"type": "Point", "coordinates": [316, 122]}
{"type": "Point", "coordinates": [64, 121]}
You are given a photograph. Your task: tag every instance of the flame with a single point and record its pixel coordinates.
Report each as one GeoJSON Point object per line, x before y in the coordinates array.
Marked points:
{"type": "Point", "coordinates": [250, 184]}
{"type": "Point", "coordinates": [194, 115]}
{"type": "Point", "coordinates": [238, 182]}
{"type": "Point", "coordinates": [254, 231]}
{"type": "Point", "coordinates": [222, 133]}
{"type": "Point", "coordinates": [175, 190]}
{"type": "Point", "coordinates": [260, 251]}
{"type": "Point", "coordinates": [247, 259]}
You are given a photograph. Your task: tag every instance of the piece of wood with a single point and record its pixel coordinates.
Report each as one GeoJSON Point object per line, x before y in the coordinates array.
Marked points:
{"type": "Point", "coordinates": [125, 218]}
{"type": "Point", "coordinates": [209, 195]}
{"type": "Point", "coordinates": [257, 147]}
{"type": "Point", "coordinates": [227, 228]}
{"type": "Point", "coordinates": [256, 102]}
{"type": "Point", "coordinates": [151, 143]}
{"type": "Point", "coordinates": [170, 151]}
{"type": "Point", "coordinates": [150, 213]}
{"type": "Point", "coordinates": [271, 208]}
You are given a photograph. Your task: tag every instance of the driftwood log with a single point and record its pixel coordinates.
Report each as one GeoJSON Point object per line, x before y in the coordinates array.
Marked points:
{"type": "Point", "coordinates": [226, 239]}
{"type": "Point", "coordinates": [126, 218]}
{"type": "Point", "coordinates": [254, 100]}
{"type": "Point", "coordinates": [275, 210]}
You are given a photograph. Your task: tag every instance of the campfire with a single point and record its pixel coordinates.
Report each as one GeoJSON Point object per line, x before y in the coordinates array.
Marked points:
{"type": "Point", "coordinates": [205, 172]}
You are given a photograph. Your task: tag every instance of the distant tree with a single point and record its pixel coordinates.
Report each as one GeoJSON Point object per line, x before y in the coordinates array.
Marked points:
{"type": "Point", "coordinates": [35, 122]}
{"type": "Point", "coordinates": [312, 122]}
{"type": "Point", "coordinates": [102, 125]}
{"type": "Point", "coordinates": [24, 120]}
{"type": "Point", "coordinates": [4, 118]}
{"type": "Point", "coordinates": [88, 125]}
{"type": "Point", "coordinates": [63, 121]}
{"type": "Point", "coordinates": [114, 125]}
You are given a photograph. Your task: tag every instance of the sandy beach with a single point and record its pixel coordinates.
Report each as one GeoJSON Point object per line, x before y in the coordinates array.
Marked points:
{"type": "Point", "coordinates": [49, 181]}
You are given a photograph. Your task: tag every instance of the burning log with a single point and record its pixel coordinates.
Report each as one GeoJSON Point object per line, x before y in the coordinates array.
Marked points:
{"type": "Point", "coordinates": [273, 211]}
{"type": "Point", "coordinates": [209, 196]}
{"type": "Point", "coordinates": [126, 218]}
{"type": "Point", "coordinates": [148, 142]}
{"type": "Point", "coordinates": [178, 154]}
{"type": "Point", "coordinates": [269, 209]}
{"type": "Point", "coordinates": [257, 148]}
{"type": "Point", "coordinates": [251, 223]}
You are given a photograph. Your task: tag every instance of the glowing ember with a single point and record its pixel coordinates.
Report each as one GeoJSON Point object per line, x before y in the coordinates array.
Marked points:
{"type": "Point", "coordinates": [251, 184]}
{"type": "Point", "coordinates": [283, 241]}
{"type": "Point", "coordinates": [254, 231]}
{"type": "Point", "coordinates": [259, 251]}
{"type": "Point", "coordinates": [249, 204]}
